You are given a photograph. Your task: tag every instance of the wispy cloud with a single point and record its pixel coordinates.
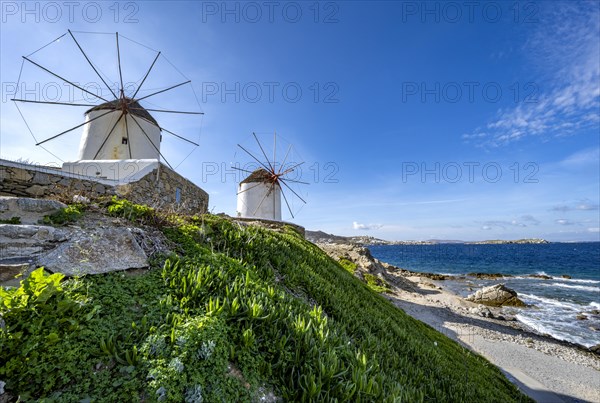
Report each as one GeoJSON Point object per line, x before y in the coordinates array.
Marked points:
{"type": "Point", "coordinates": [565, 46]}
{"type": "Point", "coordinates": [582, 205]}
{"type": "Point", "coordinates": [582, 157]}
{"type": "Point", "coordinates": [365, 227]}
{"type": "Point", "coordinates": [564, 221]}
{"type": "Point", "coordinates": [523, 221]}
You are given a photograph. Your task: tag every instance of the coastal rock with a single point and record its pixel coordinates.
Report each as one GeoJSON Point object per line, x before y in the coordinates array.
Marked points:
{"type": "Point", "coordinates": [482, 310]}
{"type": "Point", "coordinates": [581, 317]}
{"type": "Point", "coordinates": [595, 349]}
{"type": "Point", "coordinates": [367, 264]}
{"type": "Point", "coordinates": [95, 251]}
{"type": "Point", "coordinates": [541, 276]}
{"type": "Point", "coordinates": [496, 295]}
{"type": "Point", "coordinates": [595, 311]}
{"type": "Point", "coordinates": [566, 276]}
{"type": "Point", "coordinates": [488, 276]}
{"type": "Point", "coordinates": [28, 210]}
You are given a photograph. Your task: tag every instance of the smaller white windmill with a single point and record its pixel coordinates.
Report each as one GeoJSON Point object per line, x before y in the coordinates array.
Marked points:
{"type": "Point", "coordinates": [259, 195]}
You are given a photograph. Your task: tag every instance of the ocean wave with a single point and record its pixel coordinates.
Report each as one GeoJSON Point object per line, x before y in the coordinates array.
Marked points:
{"type": "Point", "coordinates": [574, 287]}
{"type": "Point", "coordinates": [549, 328]}
{"type": "Point", "coordinates": [576, 280]}
{"type": "Point", "coordinates": [553, 302]}
{"type": "Point", "coordinates": [594, 305]}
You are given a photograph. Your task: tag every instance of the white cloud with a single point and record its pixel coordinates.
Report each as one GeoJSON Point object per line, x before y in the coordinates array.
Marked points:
{"type": "Point", "coordinates": [365, 227]}
{"type": "Point", "coordinates": [582, 205]}
{"type": "Point", "coordinates": [565, 48]}
{"type": "Point", "coordinates": [583, 157]}
{"type": "Point", "coordinates": [522, 222]}
{"type": "Point", "coordinates": [564, 221]}
{"type": "Point", "coordinates": [594, 229]}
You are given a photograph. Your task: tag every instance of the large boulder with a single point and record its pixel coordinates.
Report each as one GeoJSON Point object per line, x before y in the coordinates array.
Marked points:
{"type": "Point", "coordinates": [496, 295]}
{"type": "Point", "coordinates": [28, 210]}
{"type": "Point", "coordinates": [95, 251]}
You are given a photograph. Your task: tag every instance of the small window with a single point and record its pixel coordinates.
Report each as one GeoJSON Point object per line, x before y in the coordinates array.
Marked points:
{"type": "Point", "coordinates": [177, 195]}
{"type": "Point", "coordinates": [124, 140]}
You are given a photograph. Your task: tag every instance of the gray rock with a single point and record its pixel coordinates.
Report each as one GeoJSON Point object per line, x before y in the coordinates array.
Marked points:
{"type": "Point", "coordinates": [95, 251]}
{"type": "Point", "coordinates": [2, 385]}
{"type": "Point", "coordinates": [496, 295]}
{"type": "Point", "coordinates": [482, 310]}
{"type": "Point", "coordinates": [9, 271]}
{"type": "Point", "coordinates": [29, 210]}
{"type": "Point", "coordinates": [28, 241]}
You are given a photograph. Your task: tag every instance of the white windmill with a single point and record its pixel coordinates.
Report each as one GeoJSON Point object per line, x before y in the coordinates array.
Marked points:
{"type": "Point", "coordinates": [259, 195]}
{"type": "Point", "coordinates": [121, 140]}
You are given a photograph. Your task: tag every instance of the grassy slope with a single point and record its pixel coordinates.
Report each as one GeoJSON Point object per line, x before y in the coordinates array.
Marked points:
{"type": "Point", "coordinates": [273, 305]}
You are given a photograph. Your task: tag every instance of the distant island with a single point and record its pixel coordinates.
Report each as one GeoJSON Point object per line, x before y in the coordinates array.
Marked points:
{"type": "Point", "coordinates": [517, 241]}
{"type": "Point", "coordinates": [323, 237]}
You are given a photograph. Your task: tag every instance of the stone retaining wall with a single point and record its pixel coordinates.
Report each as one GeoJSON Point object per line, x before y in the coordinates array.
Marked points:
{"type": "Point", "coordinates": [162, 188]}
{"type": "Point", "coordinates": [170, 191]}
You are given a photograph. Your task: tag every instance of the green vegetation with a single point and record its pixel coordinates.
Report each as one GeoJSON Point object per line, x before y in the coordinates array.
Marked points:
{"type": "Point", "coordinates": [375, 283]}
{"type": "Point", "coordinates": [12, 220]}
{"type": "Point", "coordinates": [126, 209]}
{"type": "Point", "coordinates": [240, 311]}
{"type": "Point", "coordinates": [65, 216]}
{"type": "Point", "coordinates": [347, 265]}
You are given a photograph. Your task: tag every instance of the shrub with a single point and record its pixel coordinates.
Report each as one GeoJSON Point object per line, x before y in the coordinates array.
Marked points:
{"type": "Point", "coordinates": [12, 220]}
{"type": "Point", "coordinates": [65, 215]}
{"type": "Point", "coordinates": [128, 210]}
{"type": "Point", "coordinates": [347, 265]}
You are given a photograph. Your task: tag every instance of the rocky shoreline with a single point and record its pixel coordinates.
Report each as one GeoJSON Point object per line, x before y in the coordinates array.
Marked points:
{"type": "Point", "coordinates": [484, 329]}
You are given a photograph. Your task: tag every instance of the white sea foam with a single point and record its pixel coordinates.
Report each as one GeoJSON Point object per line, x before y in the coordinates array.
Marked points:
{"type": "Point", "coordinates": [548, 328]}
{"type": "Point", "coordinates": [574, 287]}
{"type": "Point", "coordinates": [576, 280]}
{"type": "Point", "coordinates": [553, 302]}
{"type": "Point", "coordinates": [594, 305]}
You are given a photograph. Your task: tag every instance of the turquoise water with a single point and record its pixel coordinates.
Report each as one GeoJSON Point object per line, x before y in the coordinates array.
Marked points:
{"type": "Point", "coordinates": [556, 302]}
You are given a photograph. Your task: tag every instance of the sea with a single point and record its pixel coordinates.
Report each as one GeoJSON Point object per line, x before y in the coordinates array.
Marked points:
{"type": "Point", "coordinates": [554, 303]}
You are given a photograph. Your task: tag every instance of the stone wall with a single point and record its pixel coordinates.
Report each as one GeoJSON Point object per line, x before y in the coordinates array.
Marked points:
{"type": "Point", "coordinates": [26, 180]}
{"type": "Point", "coordinates": [162, 188]}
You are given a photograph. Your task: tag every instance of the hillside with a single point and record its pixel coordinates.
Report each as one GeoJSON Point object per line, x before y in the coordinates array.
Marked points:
{"type": "Point", "coordinates": [239, 313]}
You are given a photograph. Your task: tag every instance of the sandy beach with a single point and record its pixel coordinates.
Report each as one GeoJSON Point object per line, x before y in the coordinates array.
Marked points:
{"type": "Point", "coordinates": [546, 369]}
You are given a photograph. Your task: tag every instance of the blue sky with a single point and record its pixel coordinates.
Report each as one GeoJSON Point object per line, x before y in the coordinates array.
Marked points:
{"type": "Point", "coordinates": [415, 120]}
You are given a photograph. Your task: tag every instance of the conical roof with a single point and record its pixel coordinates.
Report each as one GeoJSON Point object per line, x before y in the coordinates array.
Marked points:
{"type": "Point", "coordinates": [132, 106]}
{"type": "Point", "coordinates": [259, 175]}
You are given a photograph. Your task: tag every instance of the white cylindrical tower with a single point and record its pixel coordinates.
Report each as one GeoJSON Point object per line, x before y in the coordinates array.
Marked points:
{"type": "Point", "coordinates": [127, 140]}
{"type": "Point", "coordinates": [259, 196]}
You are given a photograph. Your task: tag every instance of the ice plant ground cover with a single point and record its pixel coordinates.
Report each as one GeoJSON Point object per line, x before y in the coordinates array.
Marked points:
{"type": "Point", "coordinates": [237, 313]}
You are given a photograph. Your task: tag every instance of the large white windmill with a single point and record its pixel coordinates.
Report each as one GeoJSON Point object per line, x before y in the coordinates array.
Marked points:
{"type": "Point", "coordinates": [121, 139]}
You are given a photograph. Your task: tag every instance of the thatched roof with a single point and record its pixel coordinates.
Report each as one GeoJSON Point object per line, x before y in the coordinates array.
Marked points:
{"type": "Point", "coordinates": [259, 175]}
{"type": "Point", "coordinates": [133, 106]}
